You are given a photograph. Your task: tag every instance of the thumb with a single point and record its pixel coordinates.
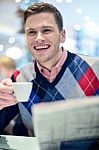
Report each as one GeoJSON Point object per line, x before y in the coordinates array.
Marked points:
{"type": "Point", "coordinates": [7, 81]}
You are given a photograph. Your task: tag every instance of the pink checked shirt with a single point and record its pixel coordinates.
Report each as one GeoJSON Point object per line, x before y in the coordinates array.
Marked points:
{"type": "Point", "coordinates": [51, 75]}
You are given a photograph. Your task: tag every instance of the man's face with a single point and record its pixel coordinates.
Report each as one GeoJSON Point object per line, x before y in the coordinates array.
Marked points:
{"type": "Point", "coordinates": [44, 37]}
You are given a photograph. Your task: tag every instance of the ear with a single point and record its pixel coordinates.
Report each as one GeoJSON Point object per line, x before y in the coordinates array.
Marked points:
{"type": "Point", "coordinates": [62, 36]}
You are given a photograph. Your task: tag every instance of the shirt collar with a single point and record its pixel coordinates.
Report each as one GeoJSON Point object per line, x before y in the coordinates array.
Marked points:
{"type": "Point", "coordinates": [57, 67]}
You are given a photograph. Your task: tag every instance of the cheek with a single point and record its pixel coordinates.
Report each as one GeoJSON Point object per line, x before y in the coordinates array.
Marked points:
{"type": "Point", "coordinates": [29, 41]}
{"type": "Point", "coordinates": [56, 40]}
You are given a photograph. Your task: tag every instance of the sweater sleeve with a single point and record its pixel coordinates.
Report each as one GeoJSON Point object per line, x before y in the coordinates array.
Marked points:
{"type": "Point", "coordinates": [6, 115]}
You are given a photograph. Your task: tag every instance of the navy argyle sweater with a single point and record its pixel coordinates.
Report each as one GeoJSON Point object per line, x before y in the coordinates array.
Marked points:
{"type": "Point", "coordinates": [76, 79]}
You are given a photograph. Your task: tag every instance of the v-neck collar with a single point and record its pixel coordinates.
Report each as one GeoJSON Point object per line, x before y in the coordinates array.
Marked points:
{"type": "Point", "coordinates": [40, 77]}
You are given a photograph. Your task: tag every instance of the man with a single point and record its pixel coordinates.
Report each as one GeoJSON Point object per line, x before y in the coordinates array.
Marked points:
{"type": "Point", "coordinates": [56, 73]}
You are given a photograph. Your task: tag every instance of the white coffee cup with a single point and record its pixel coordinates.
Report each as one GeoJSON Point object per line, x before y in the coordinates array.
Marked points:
{"type": "Point", "coordinates": [22, 90]}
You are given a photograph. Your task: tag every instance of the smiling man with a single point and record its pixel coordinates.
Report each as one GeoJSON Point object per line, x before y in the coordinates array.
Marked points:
{"type": "Point", "coordinates": [56, 73]}
{"type": "Point", "coordinates": [44, 37]}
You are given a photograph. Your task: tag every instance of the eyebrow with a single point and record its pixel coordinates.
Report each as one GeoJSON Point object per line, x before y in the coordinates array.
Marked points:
{"type": "Point", "coordinates": [47, 27]}
{"type": "Point", "coordinates": [43, 27]}
{"type": "Point", "coordinates": [29, 29]}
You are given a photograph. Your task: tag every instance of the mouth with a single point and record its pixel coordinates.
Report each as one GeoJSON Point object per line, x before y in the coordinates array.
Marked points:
{"type": "Point", "coordinates": [42, 47]}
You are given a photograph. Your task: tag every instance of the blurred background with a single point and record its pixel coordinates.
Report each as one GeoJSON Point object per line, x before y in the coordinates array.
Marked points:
{"type": "Point", "coordinates": [80, 21]}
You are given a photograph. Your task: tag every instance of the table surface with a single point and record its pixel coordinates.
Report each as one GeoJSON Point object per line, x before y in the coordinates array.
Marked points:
{"type": "Point", "coordinates": [9, 142]}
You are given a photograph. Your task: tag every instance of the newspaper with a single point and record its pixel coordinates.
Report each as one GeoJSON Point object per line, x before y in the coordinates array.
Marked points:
{"type": "Point", "coordinates": [10, 142]}
{"type": "Point", "coordinates": [65, 121]}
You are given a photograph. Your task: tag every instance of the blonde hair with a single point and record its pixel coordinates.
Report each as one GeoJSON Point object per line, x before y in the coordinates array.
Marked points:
{"type": "Point", "coordinates": [7, 62]}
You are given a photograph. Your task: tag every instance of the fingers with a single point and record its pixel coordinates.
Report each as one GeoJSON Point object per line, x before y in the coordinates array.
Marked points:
{"type": "Point", "coordinates": [7, 81]}
{"type": "Point", "coordinates": [6, 86]}
{"type": "Point", "coordinates": [6, 94]}
{"type": "Point", "coordinates": [4, 103]}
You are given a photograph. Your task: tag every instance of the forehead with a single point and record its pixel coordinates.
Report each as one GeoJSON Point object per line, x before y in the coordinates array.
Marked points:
{"type": "Point", "coordinates": [41, 19]}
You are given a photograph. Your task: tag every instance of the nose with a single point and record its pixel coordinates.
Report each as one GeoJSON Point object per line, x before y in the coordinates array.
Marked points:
{"type": "Point", "coordinates": [39, 37]}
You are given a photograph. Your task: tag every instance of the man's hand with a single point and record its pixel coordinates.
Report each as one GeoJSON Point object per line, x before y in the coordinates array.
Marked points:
{"type": "Point", "coordinates": [6, 94]}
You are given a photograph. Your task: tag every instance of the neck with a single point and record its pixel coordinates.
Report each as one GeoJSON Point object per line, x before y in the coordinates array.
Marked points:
{"type": "Point", "coordinates": [51, 63]}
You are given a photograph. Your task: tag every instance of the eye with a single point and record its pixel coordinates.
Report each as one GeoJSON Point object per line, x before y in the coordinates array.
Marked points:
{"type": "Point", "coordinates": [46, 31]}
{"type": "Point", "coordinates": [31, 32]}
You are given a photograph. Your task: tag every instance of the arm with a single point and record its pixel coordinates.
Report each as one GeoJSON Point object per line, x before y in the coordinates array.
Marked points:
{"type": "Point", "coordinates": [7, 99]}
{"type": "Point", "coordinates": [6, 115]}
{"type": "Point", "coordinates": [6, 94]}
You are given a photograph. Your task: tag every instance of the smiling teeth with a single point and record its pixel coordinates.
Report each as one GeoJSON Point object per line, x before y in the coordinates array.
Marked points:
{"type": "Point", "coordinates": [41, 47]}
